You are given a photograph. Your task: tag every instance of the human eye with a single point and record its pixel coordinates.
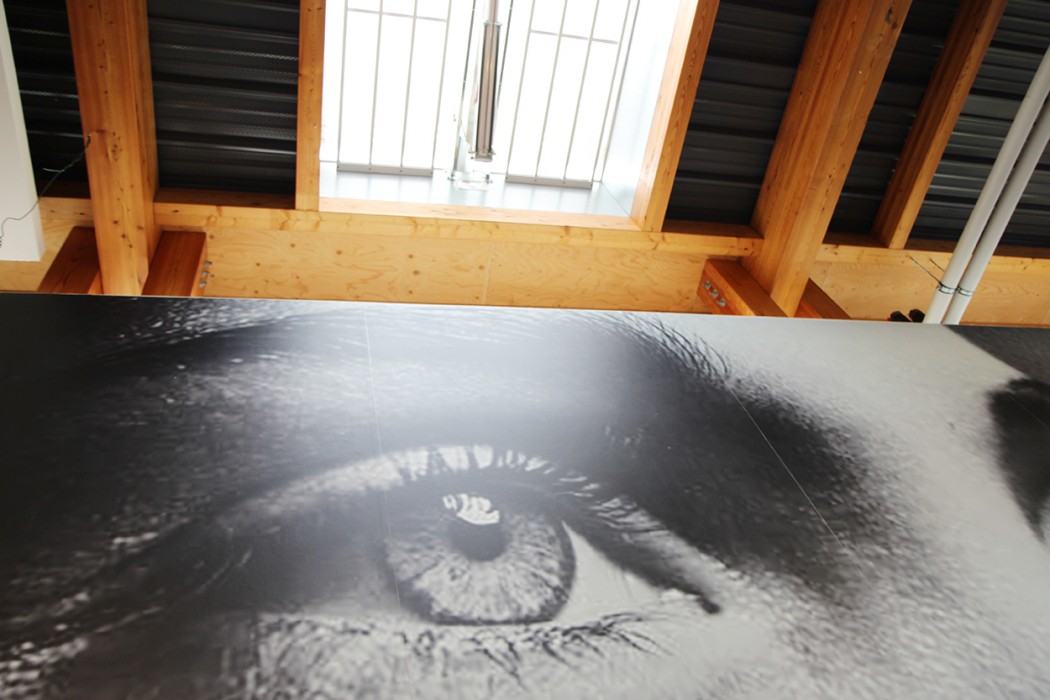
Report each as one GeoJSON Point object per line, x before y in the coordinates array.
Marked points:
{"type": "Point", "coordinates": [484, 558]}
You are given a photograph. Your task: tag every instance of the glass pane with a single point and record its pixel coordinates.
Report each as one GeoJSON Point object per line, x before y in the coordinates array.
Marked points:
{"type": "Point", "coordinates": [432, 8]}
{"type": "Point", "coordinates": [358, 82]}
{"type": "Point", "coordinates": [391, 90]}
{"type": "Point", "coordinates": [579, 17]}
{"type": "Point", "coordinates": [588, 135]}
{"type": "Point", "coordinates": [546, 16]}
{"type": "Point", "coordinates": [403, 7]}
{"type": "Point", "coordinates": [423, 93]}
{"type": "Point", "coordinates": [612, 15]}
{"type": "Point", "coordinates": [370, 5]}
{"type": "Point", "coordinates": [568, 76]}
{"type": "Point", "coordinates": [332, 81]}
{"type": "Point", "coordinates": [539, 67]}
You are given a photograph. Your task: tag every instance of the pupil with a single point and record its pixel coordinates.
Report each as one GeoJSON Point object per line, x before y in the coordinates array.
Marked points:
{"type": "Point", "coordinates": [475, 530]}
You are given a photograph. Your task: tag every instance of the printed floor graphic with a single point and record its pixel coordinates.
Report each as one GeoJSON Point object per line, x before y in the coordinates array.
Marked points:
{"type": "Point", "coordinates": [251, 499]}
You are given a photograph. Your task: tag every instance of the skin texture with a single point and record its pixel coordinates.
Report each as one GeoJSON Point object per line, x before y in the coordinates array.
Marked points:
{"type": "Point", "coordinates": [205, 506]}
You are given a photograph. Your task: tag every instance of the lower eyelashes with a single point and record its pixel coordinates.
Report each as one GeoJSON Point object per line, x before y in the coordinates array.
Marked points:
{"type": "Point", "coordinates": [301, 657]}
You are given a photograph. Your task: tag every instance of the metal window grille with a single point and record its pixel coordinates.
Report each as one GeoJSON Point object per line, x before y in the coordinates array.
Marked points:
{"type": "Point", "coordinates": [559, 82]}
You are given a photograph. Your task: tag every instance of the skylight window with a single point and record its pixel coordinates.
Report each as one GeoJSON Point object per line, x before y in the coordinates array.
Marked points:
{"type": "Point", "coordinates": [411, 78]}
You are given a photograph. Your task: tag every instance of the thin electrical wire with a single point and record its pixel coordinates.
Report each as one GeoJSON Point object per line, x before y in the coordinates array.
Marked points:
{"type": "Point", "coordinates": [3, 224]}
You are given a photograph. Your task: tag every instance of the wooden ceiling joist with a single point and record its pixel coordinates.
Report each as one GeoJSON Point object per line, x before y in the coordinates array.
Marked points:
{"type": "Point", "coordinates": [308, 124]}
{"type": "Point", "coordinates": [848, 49]}
{"type": "Point", "coordinates": [75, 268]}
{"type": "Point", "coordinates": [964, 49]}
{"type": "Point", "coordinates": [674, 107]}
{"type": "Point", "coordinates": [817, 304]}
{"type": "Point", "coordinates": [178, 265]}
{"type": "Point", "coordinates": [111, 56]}
{"type": "Point", "coordinates": [728, 289]}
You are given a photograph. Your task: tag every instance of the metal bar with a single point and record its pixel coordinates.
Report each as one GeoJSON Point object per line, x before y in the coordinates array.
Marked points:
{"type": "Point", "coordinates": [617, 87]}
{"type": "Point", "coordinates": [506, 50]}
{"type": "Point", "coordinates": [375, 86]}
{"type": "Point", "coordinates": [550, 90]}
{"type": "Point", "coordinates": [579, 94]}
{"type": "Point", "coordinates": [408, 83]}
{"type": "Point", "coordinates": [382, 169]}
{"type": "Point", "coordinates": [543, 32]}
{"type": "Point", "coordinates": [521, 81]}
{"type": "Point", "coordinates": [388, 13]}
{"type": "Point", "coordinates": [463, 90]}
{"type": "Point", "coordinates": [548, 181]}
{"type": "Point", "coordinates": [441, 84]}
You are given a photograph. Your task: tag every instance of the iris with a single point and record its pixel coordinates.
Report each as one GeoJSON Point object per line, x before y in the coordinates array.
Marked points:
{"type": "Point", "coordinates": [462, 559]}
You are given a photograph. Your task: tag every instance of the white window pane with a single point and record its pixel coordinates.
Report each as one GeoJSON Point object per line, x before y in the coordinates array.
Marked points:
{"type": "Point", "coordinates": [403, 7]}
{"type": "Point", "coordinates": [432, 8]}
{"type": "Point", "coordinates": [458, 28]}
{"type": "Point", "coordinates": [579, 16]}
{"type": "Point", "coordinates": [359, 68]}
{"type": "Point", "coordinates": [332, 81]}
{"type": "Point", "coordinates": [539, 66]}
{"type": "Point", "coordinates": [568, 76]}
{"type": "Point", "coordinates": [371, 5]}
{"type": "Point", "coordinates": [588, 135]}
{"type": "Point", "coordinates": [547, 15]}
{"type": "Point", "coordinates": [612, 15]}
{"type": "Point", "coordinates": [423, 94]}
{"type": "Point", "coordinates": [396, 37]}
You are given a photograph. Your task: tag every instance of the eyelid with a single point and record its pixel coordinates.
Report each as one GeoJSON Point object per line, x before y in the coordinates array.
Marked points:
{"type": "Point", "coordinates": [617, 522]}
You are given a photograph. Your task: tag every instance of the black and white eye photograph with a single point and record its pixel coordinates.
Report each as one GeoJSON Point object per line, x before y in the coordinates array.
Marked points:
{"type": "Point", "coordinates": [525, 349]}
{"type": "Point", "coordinates": [214, 499]}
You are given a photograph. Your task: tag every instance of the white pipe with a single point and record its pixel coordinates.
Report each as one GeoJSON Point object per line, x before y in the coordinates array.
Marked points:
{"type": "Point", "coordinates": [1004, 209]}
{"type": "Point", "coordinates": [1027, 113]}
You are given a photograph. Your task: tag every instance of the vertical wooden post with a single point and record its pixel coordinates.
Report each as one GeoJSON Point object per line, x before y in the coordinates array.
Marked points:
{"type": "Point", "coordinates": [308, 129]}
{"type": "Point", "coordinates": [685, 62]}
{"type": "Point", "coordinates": [846, 55]}
{"type": "Point", "coordinates": [111, 55]}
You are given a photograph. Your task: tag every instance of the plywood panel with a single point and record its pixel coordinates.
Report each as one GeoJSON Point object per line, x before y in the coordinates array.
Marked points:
{"type": "Point", "coordinates": [874, 291]}
{"type": "Point", "coordinates": [287, 265]}
{"type": "Point", "coordinates": [26, 276]}
{"type": "Point", "coordinates": [535, 275]}
{"type": "Point", "coordinates": [75, 269]}
{"type": "Point", "coordinates": [175, 270]}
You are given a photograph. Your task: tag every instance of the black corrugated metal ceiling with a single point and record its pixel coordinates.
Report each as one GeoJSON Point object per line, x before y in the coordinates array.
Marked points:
{"type": "Point", "coordinates": [225, 91]}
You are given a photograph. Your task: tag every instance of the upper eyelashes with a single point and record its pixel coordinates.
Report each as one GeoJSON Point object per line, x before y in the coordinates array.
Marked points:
{"type": "Point", "coordinates": [455, 534]}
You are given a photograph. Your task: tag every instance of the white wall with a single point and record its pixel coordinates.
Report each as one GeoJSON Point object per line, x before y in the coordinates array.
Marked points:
{"type": "Point", "coordinates": [22, 240]}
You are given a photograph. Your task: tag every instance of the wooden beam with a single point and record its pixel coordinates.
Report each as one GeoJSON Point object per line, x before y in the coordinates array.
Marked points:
{"type": "Point", "coordinates": [931, 256]}
{"type": "Point", "coordinates": [685, 62]}
{"type": "Point", "coordinates": [729, 289]}
{"type": "Point", "coordinates": [849, 46]}
{"type": "Point", "coordinates": [817, 304]}
{"type": "Point", "coordinates": [177, 265]}
{"type": "Point", "coordinates": [111, 56]}
{"type": "Point", "coordinates": [75, 269]}
{"type": "Point", "coordinates": [964, 50]}
{"type": "Point", "coordinates": [308, 125]}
